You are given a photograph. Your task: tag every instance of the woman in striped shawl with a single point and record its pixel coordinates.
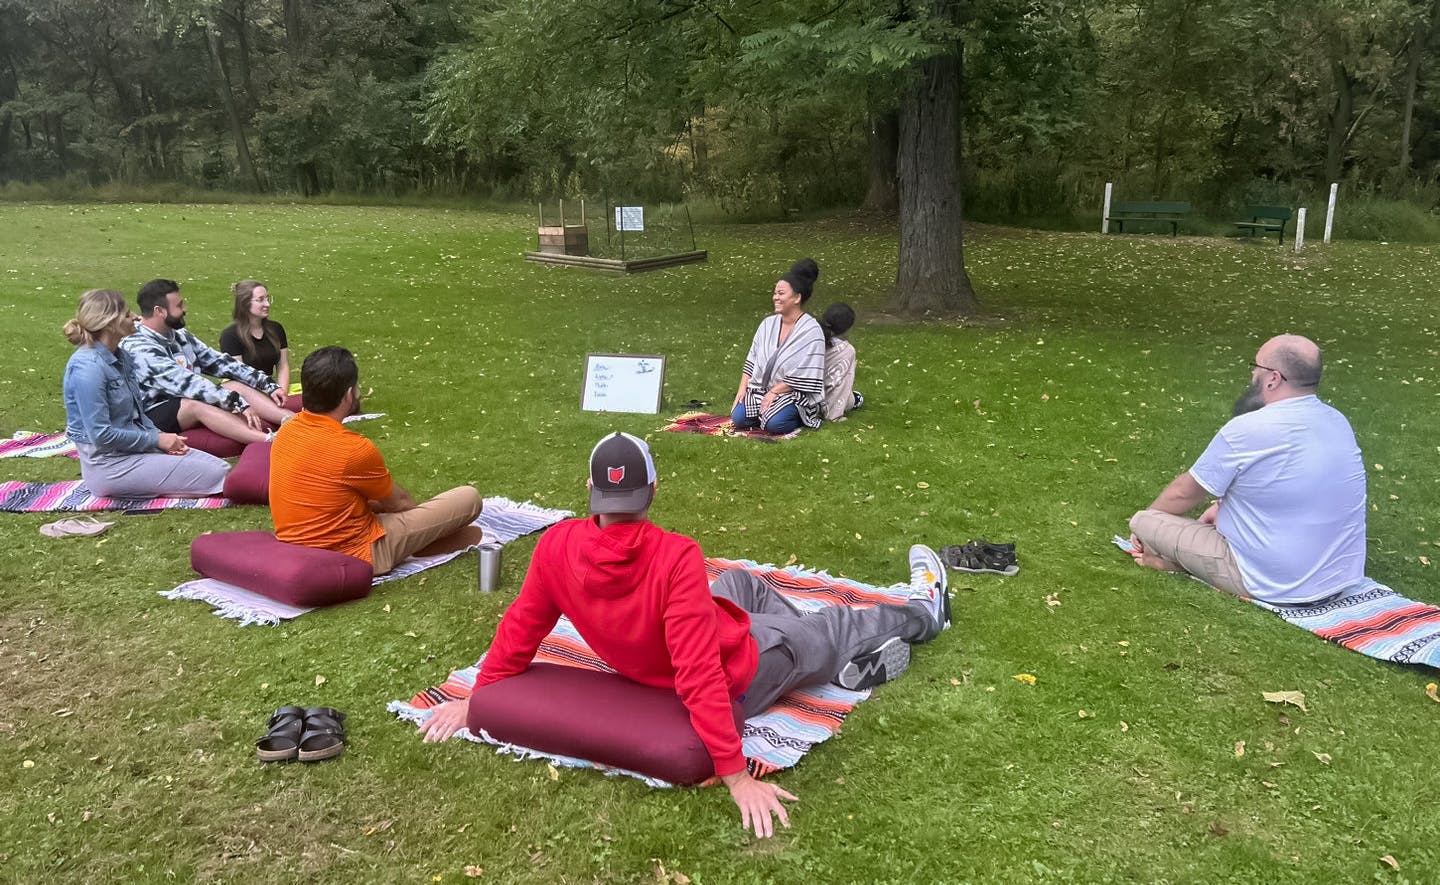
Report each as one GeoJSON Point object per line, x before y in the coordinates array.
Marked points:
{"type": "Point", "coordinates": [783, 385]}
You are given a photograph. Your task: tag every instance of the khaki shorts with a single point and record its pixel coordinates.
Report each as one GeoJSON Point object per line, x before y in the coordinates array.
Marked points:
{"type": "Point", "coordinates": [1190, 546]}
{"type": "Point", "coordinates": [422, 525]}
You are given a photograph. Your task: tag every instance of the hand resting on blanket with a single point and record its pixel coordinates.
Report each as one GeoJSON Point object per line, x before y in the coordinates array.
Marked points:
{"type": "Point", "coordinates": [447, 719]}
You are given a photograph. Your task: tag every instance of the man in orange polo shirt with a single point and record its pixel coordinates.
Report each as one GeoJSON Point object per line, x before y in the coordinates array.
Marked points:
{"type": "Point", "coordinates": [329, 486]}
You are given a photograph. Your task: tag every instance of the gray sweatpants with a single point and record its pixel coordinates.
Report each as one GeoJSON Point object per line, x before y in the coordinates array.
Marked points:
{"type": "Point", "coordinates": [194, 474]}
{"type": "Point", "coordinates": [809, 648]}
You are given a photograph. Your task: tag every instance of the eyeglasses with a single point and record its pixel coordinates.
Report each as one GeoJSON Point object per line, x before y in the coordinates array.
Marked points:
{"type": "Point", "coordinates": [1255, 365]}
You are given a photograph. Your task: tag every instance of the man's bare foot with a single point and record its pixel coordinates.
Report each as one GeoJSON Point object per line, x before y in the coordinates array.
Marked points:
{"type": "Point", "coordinates": [1150, 560]}
{"type": "Point", "coordinates": [1159, 563]}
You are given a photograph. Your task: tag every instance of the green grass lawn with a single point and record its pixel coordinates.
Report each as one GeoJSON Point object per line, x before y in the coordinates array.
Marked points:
{"type": "Point", "coordinates": [1108, 365]}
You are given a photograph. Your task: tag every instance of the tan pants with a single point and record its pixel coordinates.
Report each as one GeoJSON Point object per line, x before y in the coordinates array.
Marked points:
{"type": "Point", "coordinates": [1189, 545]}
{"type": "Point", "coordinates": [422, 525]}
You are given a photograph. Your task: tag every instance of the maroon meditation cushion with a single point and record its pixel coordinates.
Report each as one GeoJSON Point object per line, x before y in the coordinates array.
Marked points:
{"type": "Point", "coordinates": [294, 402]}
{"type": "Point", "coordinates": [289, 573]}
{"type": "Point", "coordinates": [600, 717]}
{"type": "Point", "coordinates": [248, 482]}
{"type": "Point", "coordinates": [207, 440]}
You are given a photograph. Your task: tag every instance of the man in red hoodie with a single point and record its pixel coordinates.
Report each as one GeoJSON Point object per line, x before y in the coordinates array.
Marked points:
{"type": "Point", "coordinates": [639, 596]}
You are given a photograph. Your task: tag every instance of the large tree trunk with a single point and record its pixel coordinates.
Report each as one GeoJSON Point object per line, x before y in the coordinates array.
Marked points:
{"type": "Point", "coordinates": [882, 194]}
{"type": "Point", "coordinates": [932, 277]}
{"type": "Point", "coordinates": [227, 100]}
{"type": "Point", "coordinates": [294, 28]}
{"type": "Point", "coordinates": [1424, 33]}
{"type": "Point", "coordinates": [1339, 121]}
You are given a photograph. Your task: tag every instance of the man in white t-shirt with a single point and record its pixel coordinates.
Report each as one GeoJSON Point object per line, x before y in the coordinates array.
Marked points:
{"type": "Point", "coordinates": [1288, 522]}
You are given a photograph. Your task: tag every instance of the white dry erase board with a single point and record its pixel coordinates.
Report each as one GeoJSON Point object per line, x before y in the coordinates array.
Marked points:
{"type": "Point", "coordinates": [630, 218]}
{"type": "Point", "coordinates": [617, 382]}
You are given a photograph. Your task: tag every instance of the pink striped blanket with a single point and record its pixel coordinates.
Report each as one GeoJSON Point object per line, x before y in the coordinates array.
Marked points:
{"type": "Point", "coordinates": [43, 497]}
{"type": "Point", "coordinates": [774, 740]}
{"type": "Point", "coordinates": [29, 444]}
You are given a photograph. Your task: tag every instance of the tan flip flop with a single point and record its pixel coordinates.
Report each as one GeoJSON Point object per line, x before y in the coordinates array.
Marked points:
{"type": "Point", "coordinates": [64, 528]}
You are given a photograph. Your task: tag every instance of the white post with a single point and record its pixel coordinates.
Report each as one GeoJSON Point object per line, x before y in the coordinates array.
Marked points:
{"type": "Point", "coordinates": [1330, 210]}
{"type": "Point", "coordinates": [1105, 213]}
{"type": "Point", "coordinates": [1300, 229]}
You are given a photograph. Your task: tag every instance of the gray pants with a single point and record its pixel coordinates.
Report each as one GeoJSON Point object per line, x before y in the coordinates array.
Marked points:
{"type": "Point", "coordinates": [809, 648]}
{"type": "Point", "coordinates": [194, 474]}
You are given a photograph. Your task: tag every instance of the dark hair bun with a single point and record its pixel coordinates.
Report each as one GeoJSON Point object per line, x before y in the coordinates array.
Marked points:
{"type": "Point", "coordinates": [802, 277]}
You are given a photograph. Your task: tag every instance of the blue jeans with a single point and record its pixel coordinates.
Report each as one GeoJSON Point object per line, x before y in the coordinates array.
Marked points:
{"type": "Point", "coordinates": [783, 421]}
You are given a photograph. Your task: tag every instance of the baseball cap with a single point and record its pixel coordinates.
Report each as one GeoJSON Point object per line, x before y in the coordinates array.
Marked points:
{"type": "Point", "coordinates": [621, 473]}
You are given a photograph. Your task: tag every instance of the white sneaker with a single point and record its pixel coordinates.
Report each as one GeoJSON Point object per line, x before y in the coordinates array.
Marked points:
{"type": "Point", "coordinates": [928, 583]}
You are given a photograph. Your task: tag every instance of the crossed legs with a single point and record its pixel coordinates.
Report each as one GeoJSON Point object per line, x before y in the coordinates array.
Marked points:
{"type": "Point", "coordinates": [1180, 544]}
{"type": "Point", "coordinates": [420, 526]}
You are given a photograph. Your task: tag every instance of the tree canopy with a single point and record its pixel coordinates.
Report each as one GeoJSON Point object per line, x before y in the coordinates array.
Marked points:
{"type": "Point", "coordinates": [763, 106]}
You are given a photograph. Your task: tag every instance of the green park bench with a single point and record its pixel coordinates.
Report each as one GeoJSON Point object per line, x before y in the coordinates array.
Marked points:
{"type": "Point", "coordinates": [1170, 212]}
{"type": "Point", "coordinates": [1265, 220]}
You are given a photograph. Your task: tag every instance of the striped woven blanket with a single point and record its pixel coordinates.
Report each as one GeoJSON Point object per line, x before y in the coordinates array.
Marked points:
{"type": "Point", "coordinates": [501, 521]}
{"type": "Point", "coordinates": [774, 740]}
{"type": "Point", "coordinates": [720, 425]}
{"type": "Point", "coordinates": [29, 444]}
{"type": "Point", "coordinates": [44, 497]}
{"type": "Point", "coordinates": [1366, 617]}
{"type": "Point", "coordinates": [1372, 619]}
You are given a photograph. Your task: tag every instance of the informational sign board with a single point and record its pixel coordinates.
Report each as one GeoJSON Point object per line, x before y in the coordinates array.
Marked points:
{"type": "Point", "coordinates": [622, 383]}
{"type": "Point", "coordinates": [630, 218]}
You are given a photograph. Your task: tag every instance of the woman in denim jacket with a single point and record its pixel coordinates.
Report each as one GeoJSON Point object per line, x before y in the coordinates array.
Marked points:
{"type": "Point", "coordinates": [122, 453]}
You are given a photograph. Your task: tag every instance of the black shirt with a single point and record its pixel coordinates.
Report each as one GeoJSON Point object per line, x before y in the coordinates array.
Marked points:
{"type": "Point", "coordinates": [267, 355]}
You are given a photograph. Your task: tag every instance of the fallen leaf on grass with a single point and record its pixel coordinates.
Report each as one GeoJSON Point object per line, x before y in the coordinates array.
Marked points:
{"type": "Point", "coordinates": [1084, 715]}
{"type": "Point", "coordinates": [1026, 678]}
{"type": "Point", "coordinates": [319, 680]}
{"type": "Point", "coordinates": [1424, 560]}
{"type": "Point", "coordinates": [474, 871]}
{"type": "Point", "coordinates": [1432, 693]}
{"type": "Point", "coordinates": [1323, 757]}
{"type": "Point", "coordinates": [1239, 749]}
{"type": "Point", "coordinates": [1390, 861]}
{"type": "Point", "coordinates": [1295, 698]}
{"type": "Point", "coordinates": [553, 771]}
{"type": "Point", "coordinates": [1124, 726]}
{"type": "Point", "coordinates": [1052, 600]}
{"type": "Point", "coordinates": [792, 560]}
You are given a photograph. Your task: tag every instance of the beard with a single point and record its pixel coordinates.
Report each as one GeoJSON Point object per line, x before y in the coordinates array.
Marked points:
{"type": "Point", "coordinates": [1249, 401]}
{"type": "Point", "coordinates": [175, 322]}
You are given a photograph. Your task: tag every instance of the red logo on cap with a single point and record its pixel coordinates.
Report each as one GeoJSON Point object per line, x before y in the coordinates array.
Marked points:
{"type": "Point", "coordinates": [617, 474]}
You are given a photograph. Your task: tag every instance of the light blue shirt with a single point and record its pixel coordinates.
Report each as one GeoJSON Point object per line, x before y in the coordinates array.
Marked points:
{"type": "Point", "coordinates": [1292, 489]}
{"type": "Point", "coordinates": [102, 403]}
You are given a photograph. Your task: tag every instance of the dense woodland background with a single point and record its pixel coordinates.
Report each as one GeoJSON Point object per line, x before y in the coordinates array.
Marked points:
{"type": "Point", "coordinates": [761, 107]}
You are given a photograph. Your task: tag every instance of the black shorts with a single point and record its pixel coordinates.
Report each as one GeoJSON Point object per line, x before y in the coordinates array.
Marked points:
{"type": "Point", "coordinates": [165, 415]}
